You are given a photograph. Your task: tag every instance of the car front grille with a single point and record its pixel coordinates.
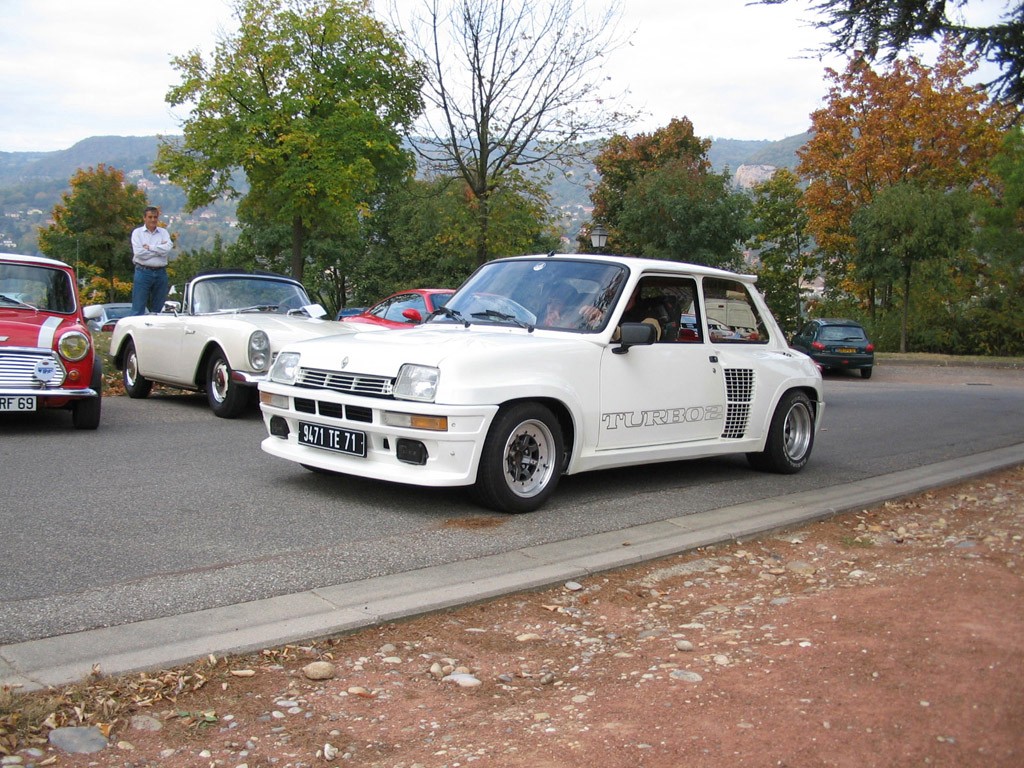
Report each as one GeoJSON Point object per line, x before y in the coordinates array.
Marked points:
{"type": "Point", "coordinates": [17, 369]}
{"type": "Point", "coordinates": [739, 394]}
{"type": "Point", "coordinates": [351, 383]}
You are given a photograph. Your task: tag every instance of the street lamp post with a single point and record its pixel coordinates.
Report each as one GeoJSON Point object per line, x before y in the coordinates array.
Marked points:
{"type": "Point", "coordinates": [598, 236]}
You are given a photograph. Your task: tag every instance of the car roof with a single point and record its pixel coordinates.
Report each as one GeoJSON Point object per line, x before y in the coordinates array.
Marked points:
{"type": "Point", "coordinates": [43, 261]}
{"type": "Point", "coordinates": [641, 264]}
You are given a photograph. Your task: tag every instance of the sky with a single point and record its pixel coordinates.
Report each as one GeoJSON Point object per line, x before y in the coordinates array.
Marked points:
{"type": "Point", "coordinates": [71, 69]}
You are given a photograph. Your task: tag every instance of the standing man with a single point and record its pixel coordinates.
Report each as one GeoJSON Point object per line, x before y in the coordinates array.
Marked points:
{"type": "Point", "coordinates": [151, 245]}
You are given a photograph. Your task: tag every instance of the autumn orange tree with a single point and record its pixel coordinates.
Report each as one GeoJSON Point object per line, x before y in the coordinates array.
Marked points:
{"type": "Point", "coordinates": [93, 223]}
{"type": "Point", "coordinates": [911, 123]}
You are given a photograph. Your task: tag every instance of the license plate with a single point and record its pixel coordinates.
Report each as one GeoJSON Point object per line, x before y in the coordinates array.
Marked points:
{"type": "Point", "coordinates": [846, 350]}
{"type": "Point", "coordinates": [17, 403]}
{"type": "Point", "coordinates": [333, 438]}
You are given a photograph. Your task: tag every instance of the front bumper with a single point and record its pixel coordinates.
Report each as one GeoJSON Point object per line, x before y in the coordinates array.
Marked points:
{"type": "Point", "coordinates": [55, 394]}
{"type": "Point", "coordinates": [451, 457]}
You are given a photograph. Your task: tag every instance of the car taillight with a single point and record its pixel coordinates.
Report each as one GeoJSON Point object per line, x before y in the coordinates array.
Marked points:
{"type": "Point", "coordinates": [818, 346]}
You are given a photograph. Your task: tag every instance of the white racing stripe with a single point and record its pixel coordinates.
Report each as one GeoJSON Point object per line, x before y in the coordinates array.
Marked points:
{"type": "Point", "coordinates": [47, 331]}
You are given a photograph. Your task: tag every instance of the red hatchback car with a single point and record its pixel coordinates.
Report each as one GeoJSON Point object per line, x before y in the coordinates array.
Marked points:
{"type": "Point", "coordinates": [47, 356]}
{"type": "Point", "coordinates": [400, 310]}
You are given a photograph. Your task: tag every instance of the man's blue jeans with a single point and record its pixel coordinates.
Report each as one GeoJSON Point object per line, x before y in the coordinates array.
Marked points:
{"type": "Point", "coordinates": [149, 290]}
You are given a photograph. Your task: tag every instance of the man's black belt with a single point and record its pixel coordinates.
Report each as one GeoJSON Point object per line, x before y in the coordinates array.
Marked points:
{"type": "Point", "coordinates": [143, 266]}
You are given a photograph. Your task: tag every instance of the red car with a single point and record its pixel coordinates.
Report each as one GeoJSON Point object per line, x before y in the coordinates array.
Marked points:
{"type": "Point", "coordinates": [47, 356]}
{"type": "Point", "coordinates": [400, 310]}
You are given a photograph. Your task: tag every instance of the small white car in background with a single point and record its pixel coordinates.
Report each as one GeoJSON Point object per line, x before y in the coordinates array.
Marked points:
{"type": "Point", "coordinates": [221, 340]}
{"type": "Point", "coordinates": [541, 366]}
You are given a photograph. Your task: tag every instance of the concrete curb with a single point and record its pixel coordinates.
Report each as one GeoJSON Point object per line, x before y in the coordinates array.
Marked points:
{"type": "Point", "coordinates": [247, 627]}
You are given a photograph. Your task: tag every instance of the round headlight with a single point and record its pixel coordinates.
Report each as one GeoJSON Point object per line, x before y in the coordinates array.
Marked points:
{"type": "Point", "coordinates": [73, 346]}
{"type": "Point", "coordinates": [286, 368]}
{"type": "Point", "coordinates": [259, 350]}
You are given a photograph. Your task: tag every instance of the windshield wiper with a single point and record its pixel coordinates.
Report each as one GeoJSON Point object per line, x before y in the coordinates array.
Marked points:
{"type": "Point", "coordinates": [18, 302]}
{"type": "Point", "coordinates": [491, 314]}
{"type": "Point", "coordinates": [453, 314]}
{"type": "Point", "coordinates": [258, 308]}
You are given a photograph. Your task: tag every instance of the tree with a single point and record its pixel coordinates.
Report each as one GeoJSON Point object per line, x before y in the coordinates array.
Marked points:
{"type": "Point", "coordinates": [310, 100]}
{"type": "Point", "coordinates": [996, 315]}
{"type": "Point", "coordinates": [623, 161]}
{"type": "Point", "coordinates": [92, 225]}
{"type": "Point", "coordinates": [780, 236]}
{"type": "Point", "coordinates": [676, 212]}
{"type": "Point", "coordinates": [891, 27]}
{"type": "Point", "coordinates": [911, 123]}
{"type": "Point", "coordinates": [905, 227]}
{"type": "Point", "coordinates": [511, 85]}
{"type": "Point", "coordinates": [425, 234]}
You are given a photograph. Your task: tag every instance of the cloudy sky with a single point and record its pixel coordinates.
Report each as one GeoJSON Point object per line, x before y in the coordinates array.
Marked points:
{"type": "Point", "coordinates": [72, 69]}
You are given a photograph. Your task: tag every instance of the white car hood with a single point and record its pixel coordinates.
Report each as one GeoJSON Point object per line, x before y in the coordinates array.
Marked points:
{"type": "Point", "coordinates": [382, 353]}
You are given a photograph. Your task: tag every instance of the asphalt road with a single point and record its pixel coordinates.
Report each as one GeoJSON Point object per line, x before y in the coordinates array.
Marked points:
{"type": "Point", "coordinates": [167, 510]}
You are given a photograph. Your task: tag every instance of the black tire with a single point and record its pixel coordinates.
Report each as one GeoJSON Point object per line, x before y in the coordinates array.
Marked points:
{"type": "Point", "coordinates": [790, 436]}
{"type": "Point", "coordinates": [135, 384]}
{"type": "Point", "coordinates": [227, 398]}
{"type": "Point", "coordinates": [865, 373]}
{"type": "Point", "coordinates": [85, 414]}
{"type": "Point", "coordinates": [521, 461]}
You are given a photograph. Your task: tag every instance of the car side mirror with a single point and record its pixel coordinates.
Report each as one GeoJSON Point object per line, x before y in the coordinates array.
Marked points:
{"type": "Point", "coordinates": [635, 334]}
{"type": "Point", "coordinates": [172, 306]}
{"type": "Point", "coordinates": [412, 315]}
{"type": "Point", "coordinates": [93, 312]}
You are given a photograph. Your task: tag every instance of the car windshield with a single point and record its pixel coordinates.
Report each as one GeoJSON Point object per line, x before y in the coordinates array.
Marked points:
{"type": "Point", "coordinates": [236, 293]}
{"type": "Point", "coordinates": [535, 293]}
{"type": "Point", "coordinates": [34, 286]}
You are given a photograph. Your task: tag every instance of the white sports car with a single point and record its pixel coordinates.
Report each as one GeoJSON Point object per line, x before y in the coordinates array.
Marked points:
{"type": "Point", "coordinates": [541, 366]}
{"type": "Point", "coordinates": [221, 340]}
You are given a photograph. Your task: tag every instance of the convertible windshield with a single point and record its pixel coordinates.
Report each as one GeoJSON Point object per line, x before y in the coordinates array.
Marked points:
{"type": "Point", "coordinates": [535, 293]}
{"type": "Point", "coordinates": [36, 287]}
{"type": "Point", "coordinates": [240, 294]}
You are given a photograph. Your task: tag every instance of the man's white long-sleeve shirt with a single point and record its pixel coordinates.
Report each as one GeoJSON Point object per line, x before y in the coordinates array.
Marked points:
{"type": "Point", "coordinates": [151, 249]}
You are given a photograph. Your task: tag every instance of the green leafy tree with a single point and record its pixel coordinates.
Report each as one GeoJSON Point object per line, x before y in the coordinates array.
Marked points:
{"type": "Point", "coordinates": [996, 315]}
{"type": "Point", "coordinates": [677, 212]}
{"type": "Point", "coordinates": [310, 99]}
{"type": "Point", "coordinates": [624, 160]}
{"type": "Point", "coordinates": [93, 223]}
{"type": "Point", "coordinates": [511, 85]}
{"type": "Point", "coordinates": [425, 234]}
{"type": "Point", "coordinates": [886, 28]}
{"type": "Point", "coordinates": [905, 228]}
{"type": "Point", "coordinates": [784, 246]}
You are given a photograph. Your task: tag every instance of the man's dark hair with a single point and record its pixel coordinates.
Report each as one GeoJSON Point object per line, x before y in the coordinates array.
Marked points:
{"type": "Point", "coordinates": [152, 208]}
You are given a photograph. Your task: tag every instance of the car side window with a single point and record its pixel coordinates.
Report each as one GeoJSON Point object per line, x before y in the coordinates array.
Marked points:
{"type": "Point", "coordinates": [670, 302]}
{"type": "Point", "coordinates": [732, 315]}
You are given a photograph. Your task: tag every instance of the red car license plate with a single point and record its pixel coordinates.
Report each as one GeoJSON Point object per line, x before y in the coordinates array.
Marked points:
{"type": "Point", "coordinates": [17, 403]}
{"type": "Point", "coordinates": [333, 438]}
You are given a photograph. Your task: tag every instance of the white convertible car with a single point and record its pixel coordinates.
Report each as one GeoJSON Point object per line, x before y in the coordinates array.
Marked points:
{"type": "Point", "coordinates": [541, 366]}
{"type": "Point", "coordinates": [221, 340]}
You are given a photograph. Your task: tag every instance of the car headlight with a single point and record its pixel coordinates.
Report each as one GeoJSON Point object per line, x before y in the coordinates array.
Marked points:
{"type": "Point", "coordinates": [259, 350]}
{"type": "Point", "coordinates": [73, 346]}
{"type": "Point", "coordinates": [286, 368]}
{"type": "Point", "coordinates": [417, 382]}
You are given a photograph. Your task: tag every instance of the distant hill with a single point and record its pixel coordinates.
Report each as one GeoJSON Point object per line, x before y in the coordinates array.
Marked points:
{"type": "Point", "coordinates": [31, 183]}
